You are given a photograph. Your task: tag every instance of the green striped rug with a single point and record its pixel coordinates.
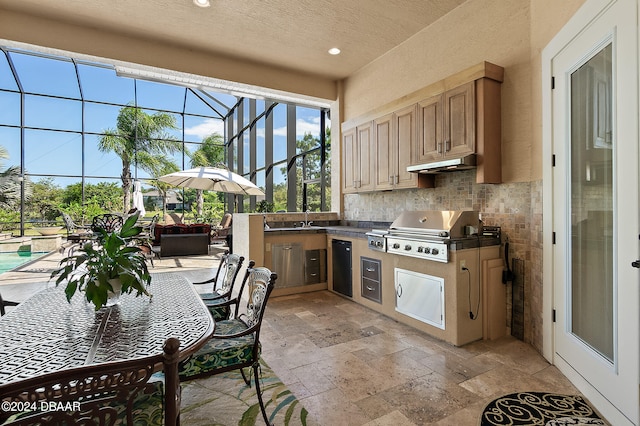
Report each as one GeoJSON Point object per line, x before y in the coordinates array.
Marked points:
{"type": "Point", "coordinates": [226, 400]}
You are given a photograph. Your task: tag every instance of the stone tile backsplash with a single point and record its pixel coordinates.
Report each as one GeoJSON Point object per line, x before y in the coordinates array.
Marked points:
{"type": "Point", "coordinates": [515, 207]}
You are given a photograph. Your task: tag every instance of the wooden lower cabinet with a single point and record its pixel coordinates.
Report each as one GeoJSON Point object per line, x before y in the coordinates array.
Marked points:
{"type": "Point", "coordinates": [304, 269]}
{"type": "Point", "coordinates": [375, 271]}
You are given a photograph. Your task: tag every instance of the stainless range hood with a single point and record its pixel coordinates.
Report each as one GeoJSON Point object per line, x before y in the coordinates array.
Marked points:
{"type": "Point", "coordinates": [451, 165]}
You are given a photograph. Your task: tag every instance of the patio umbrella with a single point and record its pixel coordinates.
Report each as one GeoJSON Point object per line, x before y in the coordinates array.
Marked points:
{"type": "Point", "coordinates": [138, 201]}
{"type": "Point", "coordinates": [212, 179]}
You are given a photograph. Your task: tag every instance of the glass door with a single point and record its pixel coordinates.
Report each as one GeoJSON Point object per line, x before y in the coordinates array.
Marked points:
{"type": "Point", "coordinates": [595, 211]}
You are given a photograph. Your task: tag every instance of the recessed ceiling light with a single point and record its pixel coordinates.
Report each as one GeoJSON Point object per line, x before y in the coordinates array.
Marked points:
{"type": "Point", "coordinates": [334, 51]}
{"type": "Point", "coordinates": [202, 3]}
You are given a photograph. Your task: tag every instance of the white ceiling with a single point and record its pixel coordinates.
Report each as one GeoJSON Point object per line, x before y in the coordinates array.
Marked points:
{"type": "Point", "coordinates": [289, 34]}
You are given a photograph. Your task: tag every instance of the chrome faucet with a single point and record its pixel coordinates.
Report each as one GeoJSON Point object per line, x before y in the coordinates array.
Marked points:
{"type": "Point", "coordinates": [306, 223]}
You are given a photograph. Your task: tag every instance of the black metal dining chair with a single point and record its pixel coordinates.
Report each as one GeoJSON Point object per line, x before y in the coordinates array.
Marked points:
{"type": "Point", "coordinates": [220, 299]}
{"type": "Point", "coordinates": [235, 344]}
{"type": "Point", "coordinates": [214, 280]}
{"type": "Point", "coordinates": [5, 303]}
{"type": "Point", "coordinates": [109, 222]}
{"type": "Point", "coordinates": [146, 237]}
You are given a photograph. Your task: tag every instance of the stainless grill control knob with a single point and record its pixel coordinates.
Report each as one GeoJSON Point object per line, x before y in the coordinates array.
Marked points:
{"type": "Point", "coordinates": [407, 247]}
{"type": "Point", "coordinates": [427, 250]}
{"type": "Point", "coordinates": [396, 245]}
{"type": "Point", "coordinates": [434, 251]}
{"type": "Point", "coordinates": [420, 249]}
{"type": "Point", "coordinates": [379, 243]}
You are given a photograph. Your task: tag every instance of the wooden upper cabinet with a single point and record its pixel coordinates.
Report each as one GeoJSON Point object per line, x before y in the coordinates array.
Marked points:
{"type": "Point", "coordinates": [447, 124]}
{"type": "Point", "coordinates": [453, 118]}
{"type": "Point", "coordinates": [429, 144]}
{"type": "Point", "coordinates": [348, 160]}
{"type": "Point", "coordinates": [365, 148]}
{"type": "Point", "coordinates": [384, 152]}
{"type": "Point", "coordinates": [459, 121]}
{"type": "Point", "coordinates": [395, 138]}
{"type": "Point", "coordinates": [405, 131]}
{"type": "Point", "coordinates": [357, 157]}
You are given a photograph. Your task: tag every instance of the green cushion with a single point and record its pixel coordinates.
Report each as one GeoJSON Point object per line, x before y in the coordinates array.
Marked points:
{"type": "Point", "coordinates": [213, 295]}
{"type": "Point", "coordinates": [217, 311]}
{"type": "Point", "coordinates": [217, 353]}
{"type": "Point", "coordinates": [148, 407]}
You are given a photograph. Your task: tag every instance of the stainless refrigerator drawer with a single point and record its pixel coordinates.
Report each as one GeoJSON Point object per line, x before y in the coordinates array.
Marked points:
{"type": "Point", "coordinates": [288, 264]}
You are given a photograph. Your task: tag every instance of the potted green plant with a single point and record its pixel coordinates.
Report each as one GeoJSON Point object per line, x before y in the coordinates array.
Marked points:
{"type": "Point", "coordinates": [112, 260]}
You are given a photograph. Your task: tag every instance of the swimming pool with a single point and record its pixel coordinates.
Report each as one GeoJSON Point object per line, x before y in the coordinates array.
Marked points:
{"type": "Point", "coordinates": [8, 261]}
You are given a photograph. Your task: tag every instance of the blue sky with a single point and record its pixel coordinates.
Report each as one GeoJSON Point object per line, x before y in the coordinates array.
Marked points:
{"type": "Point", "coordinates": [60, 152]}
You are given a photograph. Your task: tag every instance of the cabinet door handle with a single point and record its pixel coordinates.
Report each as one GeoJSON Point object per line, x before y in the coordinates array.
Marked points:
{"type": "Point", "coordinates": [347, 249]}
{"type": "Point", "coordinates": [313, 259]}
{"type": "Point", "coordinates": [370, 269]}
{"type": "Point", "coordinates": [399, 290]}
{"type": "Point", "coordinates": [287, 248]}
{"type": "Point", "coordinates": [313, 275]}
{"type": "Point", "coordinates": [370, 288]}
{"type": "Point", "coordinates": [439, 147]}
{"type": "Point", "coordinates": [447, 146]}
{"type": "Point", "coordinates": [391, 179]}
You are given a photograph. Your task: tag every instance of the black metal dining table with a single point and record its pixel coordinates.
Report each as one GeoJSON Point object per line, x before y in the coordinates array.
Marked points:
{"type": "Point", "coordinates": [46, 333]}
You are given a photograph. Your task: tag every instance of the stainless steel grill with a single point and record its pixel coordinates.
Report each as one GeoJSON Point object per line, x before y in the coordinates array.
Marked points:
{"type": "Point", "coordinates": [425, 234]}
{"type": "Point", "coordinates": [376, 239]}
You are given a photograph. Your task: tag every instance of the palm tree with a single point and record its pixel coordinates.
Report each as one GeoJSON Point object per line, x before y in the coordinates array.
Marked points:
{"type": "Point", "coordinates": [142, 138]}
{"type": "Point", "coordinates": [10, 184]}
{"type": "Point", "coordinates": [211, 152]}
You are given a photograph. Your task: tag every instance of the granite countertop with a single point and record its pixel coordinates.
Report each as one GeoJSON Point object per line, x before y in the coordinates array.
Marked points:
{"type": "Point", "coordinates": [352, 231]}
{"type": "Point", "coordinates": [295, 230]}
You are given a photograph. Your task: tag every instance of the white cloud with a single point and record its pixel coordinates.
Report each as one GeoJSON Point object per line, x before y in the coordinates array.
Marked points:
{"type": "Point", "coordinates": [302, 126]}
{"type": "Point", "coordinates": [209, 126]}
{"type": "Point", "coordinates": [206, 128]}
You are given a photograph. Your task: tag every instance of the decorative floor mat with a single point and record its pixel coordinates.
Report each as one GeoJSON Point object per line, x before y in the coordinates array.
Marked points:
{"type": "Point", "coordinates": [539, 408]}
{"type": "Point", "coordinates": [226, 400]}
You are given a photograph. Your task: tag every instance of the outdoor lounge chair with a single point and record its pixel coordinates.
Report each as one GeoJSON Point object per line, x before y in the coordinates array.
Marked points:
{"type": "Point", "coordinates": [73, 227]}
{"type": "Point", "coordinates": [221, 231]}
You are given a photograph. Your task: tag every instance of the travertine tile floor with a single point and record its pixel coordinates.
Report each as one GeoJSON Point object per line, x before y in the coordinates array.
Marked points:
{"type": "Point", "coordinates": [349, 365]}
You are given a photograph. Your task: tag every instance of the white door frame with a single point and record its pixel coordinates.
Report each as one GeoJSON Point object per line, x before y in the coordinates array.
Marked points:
{"type": "Point", "coordinates": [590, 10]}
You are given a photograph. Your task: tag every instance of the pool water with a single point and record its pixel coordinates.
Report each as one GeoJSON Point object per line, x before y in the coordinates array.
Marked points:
{"type": "Point", "coordinates": [8, 261]}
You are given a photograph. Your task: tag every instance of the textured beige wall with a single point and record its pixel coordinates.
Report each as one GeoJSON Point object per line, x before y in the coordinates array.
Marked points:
{"type": "Point", "coordinates": [547, 18]}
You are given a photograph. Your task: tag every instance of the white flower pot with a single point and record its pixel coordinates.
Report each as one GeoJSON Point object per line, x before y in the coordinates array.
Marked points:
{"type": "Point", "coordinates": [113, 297]}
